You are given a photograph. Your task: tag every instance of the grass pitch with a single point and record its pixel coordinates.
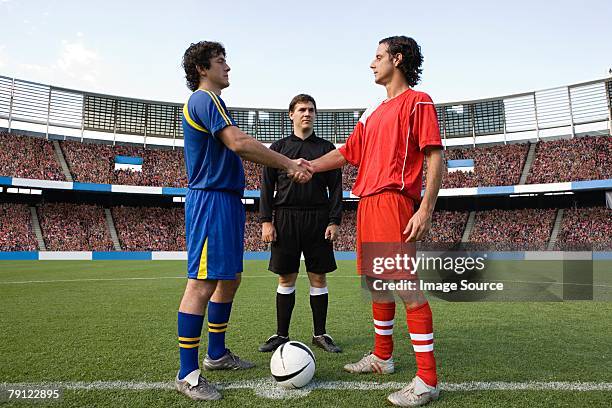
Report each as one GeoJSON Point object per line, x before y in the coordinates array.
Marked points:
{"type": "Point", "coordinates": [91, 321]}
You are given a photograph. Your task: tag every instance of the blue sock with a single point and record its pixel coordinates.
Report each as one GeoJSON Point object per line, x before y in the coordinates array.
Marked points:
{"type": "Point", "coordinates": [218, 317]}
{"type": "Point", "coordinates": [189, 331]}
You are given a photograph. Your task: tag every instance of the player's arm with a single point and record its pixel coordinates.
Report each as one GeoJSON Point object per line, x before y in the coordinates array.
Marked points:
{"type": "Point", "coordinates": [250, 149]}
{"type": "Point", "coordinates": [268, 183]}
{"type": "Point", "coordinates": [329, 161]}
{"type": "Point", "coordinates": [334, 184]}
{"type": "Point", "coordinates": [420, 222]}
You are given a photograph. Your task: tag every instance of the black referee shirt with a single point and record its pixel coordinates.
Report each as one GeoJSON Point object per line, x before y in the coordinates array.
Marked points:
{"type": "Point", "coordinates": [313, 194]}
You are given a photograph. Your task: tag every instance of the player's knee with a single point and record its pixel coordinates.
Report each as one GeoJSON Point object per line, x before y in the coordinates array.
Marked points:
{"type": "Point", "coordinates": [287, 280]}
{"type": "Point", "coordinates": [317, 280]}
{"type": "Point", "coordinates": [200, 289]}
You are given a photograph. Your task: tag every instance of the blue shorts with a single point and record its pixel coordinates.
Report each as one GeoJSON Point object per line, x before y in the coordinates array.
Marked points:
{"type": "Point", "coordinates": [214, 228]}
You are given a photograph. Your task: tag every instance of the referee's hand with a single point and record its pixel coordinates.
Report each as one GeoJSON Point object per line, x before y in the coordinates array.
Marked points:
{"type": "Point", "coordinates": [331, 232]}
{"type": "Point", "coordinates": [268, 232]}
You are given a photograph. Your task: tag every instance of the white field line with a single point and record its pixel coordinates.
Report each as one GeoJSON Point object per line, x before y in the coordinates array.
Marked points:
{"type": "Point", "coordinates": [252, 277]}
{"type": "Point", "coordinates": [267, 388]}
{"type": "Point", "coordinates": [136, 279]}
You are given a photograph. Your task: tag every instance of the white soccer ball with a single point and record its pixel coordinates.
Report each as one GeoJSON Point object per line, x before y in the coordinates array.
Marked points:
{"type": "Point", "coordinates": [292, 365]}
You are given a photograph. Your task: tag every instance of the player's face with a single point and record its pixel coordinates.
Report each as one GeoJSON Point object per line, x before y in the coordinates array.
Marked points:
{"type": "Point", "coordinates": [303, 116]}
{"type": "Point", "coordinates": [382, 66]}
{"type": "Point", "coordinates": [218, 73]}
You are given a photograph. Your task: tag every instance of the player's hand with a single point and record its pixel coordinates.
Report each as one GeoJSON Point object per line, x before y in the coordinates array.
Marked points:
{"type": "Point", "coordinates": [268, 232]}
{"type": "Point", "coordinates": [300, 171]}
{"type": "Point", "coordinates": [418, 226]}
{"type": "Point", "coordinates": [331, 232]}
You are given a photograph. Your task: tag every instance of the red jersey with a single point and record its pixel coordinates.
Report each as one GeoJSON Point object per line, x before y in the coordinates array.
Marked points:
{"type": "Point", "coordinates": [387, 144]}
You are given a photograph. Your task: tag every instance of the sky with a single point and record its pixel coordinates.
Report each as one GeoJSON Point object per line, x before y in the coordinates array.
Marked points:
{"type": "Point", "coordinates": [276, 49]}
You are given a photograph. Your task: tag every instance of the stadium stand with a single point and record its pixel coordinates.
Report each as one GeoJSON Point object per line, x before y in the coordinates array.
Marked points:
{"type": "Point", "coordinates": [28, 157]}
{"type": "Point", "coordinates": [74, 227]}
{"type": "Point", "coordinates": [252, 233]}
{"type": "Point", "coordinates": [16, 232]}
{"type": "Point", "coordinates": [95, 163]}
{"type": "Point", "coordinates": [347, 237]}
{"type": "Point", "coordinates": [493, 166]}
{"type": "Point", "coordinates": [349, 175]}
{"type": "Point", "coordinates": [580, 158]}
{"type": "Point", "coordinates": [447, 227]}
{"type": "Point", "coordinates": [252, 175]}
{"type": "Point", "coordinates": [586, 227]}
{"type": "Point", "coordinates": [150, 228]}
{"type": "Point", "coordinates": [526, 229]}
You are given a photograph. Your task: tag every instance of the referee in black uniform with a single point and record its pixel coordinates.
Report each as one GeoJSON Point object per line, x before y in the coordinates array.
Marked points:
{"type": "Point", "coordinates": [306, 220]}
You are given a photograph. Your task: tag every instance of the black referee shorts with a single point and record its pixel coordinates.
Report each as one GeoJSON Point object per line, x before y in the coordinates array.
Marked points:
{"type": "Point", "coordinates": [301, 231]}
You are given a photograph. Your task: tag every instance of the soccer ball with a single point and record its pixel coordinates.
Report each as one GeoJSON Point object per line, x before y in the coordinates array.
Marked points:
{"type": "Point", "coordinates": [292, 365]}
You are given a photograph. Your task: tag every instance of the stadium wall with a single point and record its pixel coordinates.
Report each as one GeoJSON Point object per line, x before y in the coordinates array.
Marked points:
{"type": "Point", "coordinates": [255, 256]}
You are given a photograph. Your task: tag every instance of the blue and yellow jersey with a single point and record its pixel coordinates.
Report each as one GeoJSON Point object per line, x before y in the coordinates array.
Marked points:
{"type": "Point", "coordinates": [210, 164]}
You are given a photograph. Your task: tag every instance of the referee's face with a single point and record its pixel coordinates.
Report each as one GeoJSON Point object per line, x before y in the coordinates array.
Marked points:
{"type": "Point", "coordinates": [303, 116]}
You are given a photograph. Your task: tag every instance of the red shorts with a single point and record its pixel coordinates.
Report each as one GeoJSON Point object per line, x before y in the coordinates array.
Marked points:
{"type": "Point", "coordinates": [381, 221]}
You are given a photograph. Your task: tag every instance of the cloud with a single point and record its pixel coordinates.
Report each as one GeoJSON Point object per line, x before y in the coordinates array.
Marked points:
{"type": "Point", "coordinates": [75, 64]}
{"type": "Point", "coordinates": [2, 56]}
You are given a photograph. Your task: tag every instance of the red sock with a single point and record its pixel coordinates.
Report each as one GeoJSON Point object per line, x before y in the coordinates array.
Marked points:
{"type": "Point", "coordinates": [420, 326]}
{"type": "Point", "coordinates": [383, 327]}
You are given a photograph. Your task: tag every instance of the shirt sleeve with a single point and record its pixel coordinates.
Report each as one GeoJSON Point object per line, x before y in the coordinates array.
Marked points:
{"type": "Point", "coordinates": [268, 184]}
{"type": "Point", "coordinates": [351, 150]}
{"type": "Point", "coordinates": [425, 123]}
{"type": "Point", "coordinates": [209, 110]}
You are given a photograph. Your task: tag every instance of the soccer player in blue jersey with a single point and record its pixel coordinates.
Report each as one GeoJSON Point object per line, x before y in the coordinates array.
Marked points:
{"type": "Point", "coordinates": [214, 215]}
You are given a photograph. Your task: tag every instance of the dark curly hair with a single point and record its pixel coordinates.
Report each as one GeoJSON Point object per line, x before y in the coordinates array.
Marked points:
{"type": "Point", "coordinates": [301, 98]}
{"type": "Point", "coordinates": [199, 55]}
{"type": "Point", "coordinates": [412, 59]}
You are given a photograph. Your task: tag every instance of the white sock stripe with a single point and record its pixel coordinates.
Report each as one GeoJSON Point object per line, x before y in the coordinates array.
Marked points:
{"type": "Point", "coordinates": [285, 290]}
{"type": "Point", "coordinates": [318, 291]}
{"type": "Point", "coordinates": [384, 322]}
{"type": "Point", "coordinates": [423, 349]}
{"type": "Point", "coordinates": [421, 337]}
{"type": "Point", "coordinates": [387, 332]}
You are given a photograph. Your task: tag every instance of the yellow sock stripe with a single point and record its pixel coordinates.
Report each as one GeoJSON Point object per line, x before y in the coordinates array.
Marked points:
{"type": "Point", "coordinates": [219, 106]}
{"type": "Point", "coordinates": [217, 324]}
{"type": "Point", "coordinates": [189, 346]}
{"type": "Point", "coordinates": [217, 330]}
{"type": "Point", "coordinates": [191, 121]}
{"type": "Point", "coordinates": [203, 269]}
{"type": "Point", "coordinates": [189, 338]}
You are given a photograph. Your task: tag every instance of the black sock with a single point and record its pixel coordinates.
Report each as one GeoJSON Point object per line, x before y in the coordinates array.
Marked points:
{"type": "Point", "coordinates": [285, 301]}
{"type": "Point", "coordinates": [318, 304]}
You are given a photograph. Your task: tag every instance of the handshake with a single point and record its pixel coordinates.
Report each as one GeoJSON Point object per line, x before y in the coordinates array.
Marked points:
{"type": "Point", "coordinates": [300, 170]}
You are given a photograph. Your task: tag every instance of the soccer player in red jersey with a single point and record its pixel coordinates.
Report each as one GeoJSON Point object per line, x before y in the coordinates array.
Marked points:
{"type": "Point", "coordinates": [389, 145]}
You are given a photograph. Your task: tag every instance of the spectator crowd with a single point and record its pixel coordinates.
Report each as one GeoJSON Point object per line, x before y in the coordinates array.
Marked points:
{"type": "Point", "coordinates": [150, 228]}
{"type": "Point", "coordinates": [74, 227]}
{"type": "Point", "coordinates": [579, 158]}
{"type": "Point", "coordinates": [28, 157]}
{"type": "Point", "coordinates": [584, 228]}
{"type": "Point", "coordinates": [16, 232]}
{"type": "Point", "coordinates": [513, 230]}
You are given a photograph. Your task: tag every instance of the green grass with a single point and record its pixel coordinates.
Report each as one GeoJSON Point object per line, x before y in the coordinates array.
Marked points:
{"type": "Point", "coordinates": [109, 328]}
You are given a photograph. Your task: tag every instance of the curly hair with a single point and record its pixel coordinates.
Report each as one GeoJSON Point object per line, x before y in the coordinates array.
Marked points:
{"type": "Point", "coordinates": [301, 98]}
{"type": "Point", "coordinates": [412, 59]}
{"type": "Point", "coordinates": [199, 55]}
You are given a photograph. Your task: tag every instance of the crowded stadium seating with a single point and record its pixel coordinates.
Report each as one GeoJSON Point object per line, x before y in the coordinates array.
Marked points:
{"type": "Point", "coordinates": [150, 228]}
{"type": "Point", "coordinates": [584, 228]}
{"type": "Point", "coordinates": [74, 227]}
{"type": "Point", "coordinates": [493, 166]}
{"type": "Point", "coordinates": [95, 163]}
{"type": "Point", "coordinates": [28, 157]}
{"type": "Point", "coordinates": [447, 227]}
{"type": "Point", "coordinates": [580, 158]}
{"type": "Point", "coordinates": [526, 229]}
{"type": "Point", "coordinates": [16, 232]}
